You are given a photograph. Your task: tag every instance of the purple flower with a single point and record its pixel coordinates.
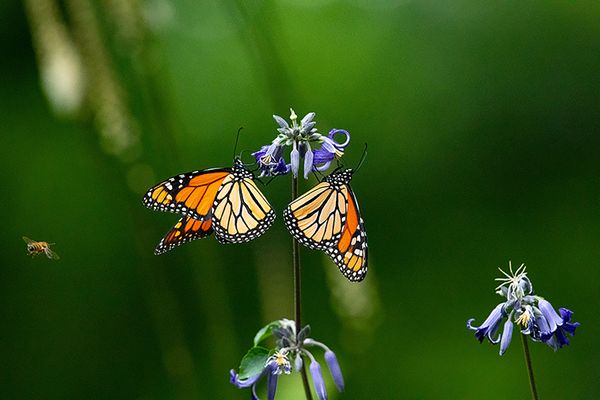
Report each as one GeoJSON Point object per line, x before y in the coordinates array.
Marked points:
{"type": "Point", "coordinates": [276, 365]}
{"type": "Point", "coordinates": [291, 344]}
{"type": "Point", "coordinates": [334, 368]}
{"type": "Point", "coordinates": [315, 371]}
{"type": "Point", "coordinates": [534, 315]}
{"type": "Point", "coordinates": [270, 160]}
{"type": "Point", "coordinates": [490, 325]}
{"type": "Point", "coordinates": [303, 138]}
{"type": "Point", "coordinates": [559, 339]}
{"type": "Point", "coordinates": [330, 149]}
{"type": "Point", "coordinates": [549, 314]}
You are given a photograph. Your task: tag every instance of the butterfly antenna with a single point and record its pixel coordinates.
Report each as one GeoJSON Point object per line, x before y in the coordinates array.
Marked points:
{"type": "Point", "coordinates": [237, 139]}
{"type": "Point", "coordinates": [362, 159]}
{"type": "Point", "coordinates": [263, 183]}
{"type": "Point", "coordinates": [242, 157]}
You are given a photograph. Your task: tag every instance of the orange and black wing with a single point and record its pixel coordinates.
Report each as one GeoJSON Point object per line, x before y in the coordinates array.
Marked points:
{"type": "Point", "coordinates": [191, 194]}
{"type": "Point", "coordinates": [316, 219]}
{"type": "Point", "coordinates": [185, 230]}
{"type": "Point", "coordinates": [241, 212]}
{"type": "Point", "coordinates": [350, 251]}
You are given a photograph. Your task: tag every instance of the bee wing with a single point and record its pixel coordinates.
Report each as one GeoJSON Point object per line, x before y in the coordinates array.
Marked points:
{"type": "Point", "coordinates": [27, 240]}
{"type": "Point", "coordinates": [52, 255]}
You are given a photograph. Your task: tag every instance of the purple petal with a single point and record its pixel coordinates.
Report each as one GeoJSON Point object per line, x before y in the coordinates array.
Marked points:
{"type": "Point", "coordinates": [561, 338]}
{"type": "Point", "coordinates": [568, 326]}
{"type": "Point", "coordinates": [282, 167]}
{"type": "Point", "coordinates": [323, 167]}
{"type": "Point", "coordinates": [308, 126]}
{"type": "Point", "coordinates": [271, 385]}
{"type": "Point", "coordinates": [260, 153]}
{"type": "Point", "coordinates": [544, 333]}
{"type": "Point", "coordinates": [550, 314]}
{"type": "Point", "coordinates": [321, 156]}
{"type": "Point", "coordinates": [565, 314]}
{"type": "Point", "coordinates": [506, 336]}
{"type": "Point", "coordinates": [298, 363]}
{"type": "Point", "coordinates": [295, 160]}
{"type": "Point", "coordinates": [489, 326]}
{"type": "Point", "coordinates": [280, 121]}
{"type": "Point", "coordinates": [315, 371]}
{"type": "Point", "coordinates": [329, 145]}
{"type": "Point", "coordinates": [247, 382]}
{"type": "Point", "coordinates": [332, 134]}
{"type": "Point", "coordinates": [307, 118]}
{"type": "Point", "coordinates": [308, 163]}
{"type": "Point", "coordinates": [334, 368]}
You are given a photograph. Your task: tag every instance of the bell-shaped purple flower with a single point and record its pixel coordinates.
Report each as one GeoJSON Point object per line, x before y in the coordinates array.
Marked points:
{"type": "Point", "coordinates": [334, 368]}
{"type": "Point", "coordinates": [489, 327]}
{"type": "Point", "coordinates": [330, 149]}
{"type": "Point", "coordinates": [551, 316]}
{"type": "Point", "coordinates": [532, 314]}
{"type": "Point", "coordinates": [270, 160]}
{"type": "Point", "coordinates": [319, 384]}
{"type": "Point", "coordinates": [276, 365]}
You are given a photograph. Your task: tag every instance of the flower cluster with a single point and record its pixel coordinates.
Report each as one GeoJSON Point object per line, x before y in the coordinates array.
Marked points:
{"type": "Point", "coordinates": [260, 362]}
{"type": "Point", "coordinates": [302, 138]}
{"type": "Point", "coordinates": [534, 315]}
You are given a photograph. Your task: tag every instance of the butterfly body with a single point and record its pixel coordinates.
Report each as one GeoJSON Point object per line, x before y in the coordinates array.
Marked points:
{"type": "Point", "coordinates": [327, 218]}
{"type": "Point", "coordinates": [225, 201]}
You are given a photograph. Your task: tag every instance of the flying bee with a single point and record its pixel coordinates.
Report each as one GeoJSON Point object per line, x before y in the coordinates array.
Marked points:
{"type": "Point", "coordinates": [34, 248]}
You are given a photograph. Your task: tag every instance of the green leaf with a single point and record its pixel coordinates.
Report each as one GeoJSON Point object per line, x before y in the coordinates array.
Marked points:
{"type": "Point", "coordinates": [265, 332]}
{"type": "Point", "coordinates": [253, 362]}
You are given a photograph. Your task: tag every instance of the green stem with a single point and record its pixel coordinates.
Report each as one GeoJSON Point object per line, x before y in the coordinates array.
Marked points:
{"type": "Point", "coordinates": [534, 395]}
{"type": "Point", "coordinates": [298, 291]}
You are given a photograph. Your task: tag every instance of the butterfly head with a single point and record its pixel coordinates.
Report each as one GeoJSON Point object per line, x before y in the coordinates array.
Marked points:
{"type": "Point", "coordinates": [341, 177]}
{"type": "Point", "coordinates": [239, 169]}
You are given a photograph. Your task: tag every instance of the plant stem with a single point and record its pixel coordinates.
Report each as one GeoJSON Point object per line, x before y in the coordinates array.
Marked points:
{"type": "Point", "coordinates": [534, 395]}
{"type": "Point", "coordinates": [298, 291]}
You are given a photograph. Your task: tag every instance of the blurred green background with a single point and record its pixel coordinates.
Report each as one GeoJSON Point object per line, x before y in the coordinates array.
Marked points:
{"type": "Point", "coordinates": [483, 132]}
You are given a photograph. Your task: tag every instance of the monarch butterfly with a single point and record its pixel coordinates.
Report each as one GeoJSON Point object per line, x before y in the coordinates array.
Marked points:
{"type": "Point", "coordinates": [223, 200]}
{"type": "Point", "coordinates": [327, 218]}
